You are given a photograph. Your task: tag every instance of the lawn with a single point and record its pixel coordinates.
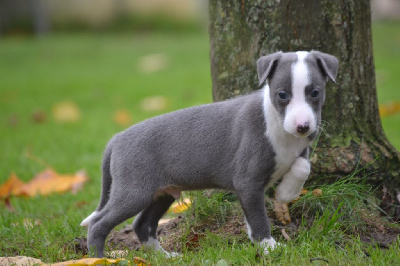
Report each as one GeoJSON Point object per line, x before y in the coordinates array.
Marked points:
{"type": "Point", "coordinates": [100, 74]}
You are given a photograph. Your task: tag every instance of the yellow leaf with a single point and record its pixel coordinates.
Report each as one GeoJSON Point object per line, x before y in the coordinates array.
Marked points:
{"type": "Point", "coordinates": [89, 261]}
{"type": "Point", "coordinates": [66, 111]}
{"type": "Point", "coordinates": [155, 103]}
{"type": "Point", "coordinates": [389, 108]}
{"type": "Point", "coordinates": [44, 183]}
{"type": "Point", "coordinates": [9, 187]}
{"type": "Point", "coordinates": [122, 117]}
{"type": "Point", "coordinates": [181, 206]}
{"type": "Point", "coordinates": [48, 181]}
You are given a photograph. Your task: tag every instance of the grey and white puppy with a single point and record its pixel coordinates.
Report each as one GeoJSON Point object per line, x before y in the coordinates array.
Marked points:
{"type": "Point", "coordinates": [244, 145]}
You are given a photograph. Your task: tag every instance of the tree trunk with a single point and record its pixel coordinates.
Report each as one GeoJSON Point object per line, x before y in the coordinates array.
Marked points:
{"type": "Point", "coordinates": [242, 31]}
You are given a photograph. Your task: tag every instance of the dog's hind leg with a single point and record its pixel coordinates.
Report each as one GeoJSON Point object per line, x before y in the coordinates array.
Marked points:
{"type": "Point", "coordinates": [146, 223]}
{"type": "Point", "coordinates": [120, 207]}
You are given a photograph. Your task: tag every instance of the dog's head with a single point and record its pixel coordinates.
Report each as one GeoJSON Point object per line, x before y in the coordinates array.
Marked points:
{"type": "Point", "coordinates": [297, 87]}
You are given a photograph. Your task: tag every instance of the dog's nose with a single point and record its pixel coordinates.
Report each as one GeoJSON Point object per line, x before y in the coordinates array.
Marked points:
{"type": "Point", "coordinates": [303, 128]}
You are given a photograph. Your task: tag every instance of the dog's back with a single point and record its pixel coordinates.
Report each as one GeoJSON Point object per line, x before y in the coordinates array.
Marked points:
{"type": "Point", "coordinates": [196, 148]}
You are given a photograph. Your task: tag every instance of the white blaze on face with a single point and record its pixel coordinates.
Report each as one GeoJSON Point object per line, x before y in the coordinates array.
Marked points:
{"type": "Point", "coordinates": [298, 111]}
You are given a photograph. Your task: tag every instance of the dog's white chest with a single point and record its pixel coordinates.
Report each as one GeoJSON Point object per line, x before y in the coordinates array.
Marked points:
{"type": "Point", "coordinates": [287, 151]}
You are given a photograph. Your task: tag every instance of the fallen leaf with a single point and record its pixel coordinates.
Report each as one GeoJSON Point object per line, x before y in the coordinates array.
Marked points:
{"type": "Point", "coordinates": [122, 117]}
{"type": "Point", "coordinates": [155, 103]}
{"type": "Point", "coordinates": [285, 235]}
{"type": "Point", "coordinates": [302, 192]}
{"type": "Point", "coordinates": [282, 212]}
{"type": "Point", "coordinates": [38, 116]}
{"type": "Point", "coordinates": [140, 261]}
{"type": "Point", "coordinates": [317, 192]}
{"type": "Point", "coordinates": [66, 112]}
{"type": "Point", "coordinates": [152, 63]}
{"type": "Point", "coordinates": [389, 108]}
{"type": "Point", "coordinates": [193, 240]}
{"type": "Point", "coordinates": [180, 206]}
{"type": "Point", "coordinates": [44, 183]}
{"type": "Point", "coordinates": [19, 260]}
{"type": "Point", "coordinates": [90, 261]}
{"type": "Point", "coordinates": [9, 187]}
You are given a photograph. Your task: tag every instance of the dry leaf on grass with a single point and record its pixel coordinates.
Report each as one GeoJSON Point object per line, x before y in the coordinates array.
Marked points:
{"type": "Point", "coordinates": [9, 187]}
{"type": "Point", "coordinates": [122, 117]}
{"type": "Point", "coordinates": [180, 206]}
{"type": "Point", "coordinates": [317, 192]}
{"type": "Point", "coordinates": [44, 183]}
{"type": "Point", "coordinates": [89, 261]}
{"type": "Point", "coordinates": [153, 63]}
{"type": "Point", "coordinates": [282, 212]}
{"type": "Point", "coordinates": [389, 109]}
{"type": "Point", "coordinates": [155, 103]}
{"type": "Point", "coordinates": [66, 112]}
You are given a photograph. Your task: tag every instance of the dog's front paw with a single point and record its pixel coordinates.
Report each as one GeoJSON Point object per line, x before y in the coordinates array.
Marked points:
{"type": "Point", "coordinates": [269, 244]}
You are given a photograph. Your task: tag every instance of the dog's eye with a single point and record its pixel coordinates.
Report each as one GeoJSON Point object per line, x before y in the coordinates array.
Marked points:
{"type": "Point", "coordinates": [315, 93]}
{"type": "Point", "coordinates": [282, 95]}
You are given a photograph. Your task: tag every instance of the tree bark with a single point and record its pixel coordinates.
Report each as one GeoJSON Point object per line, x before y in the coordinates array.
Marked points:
{"type": "Point", "coordinates": [353, 138]}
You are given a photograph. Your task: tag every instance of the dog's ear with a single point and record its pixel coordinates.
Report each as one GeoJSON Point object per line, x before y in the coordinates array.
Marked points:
{"type": "Point", "coordinates": [266, 66]}
{"type": "Point", "coordinates": [328, 64]}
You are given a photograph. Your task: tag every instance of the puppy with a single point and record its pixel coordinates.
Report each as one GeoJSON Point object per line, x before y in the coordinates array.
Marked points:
{"type": "Point", "coordinates": [244, 145]}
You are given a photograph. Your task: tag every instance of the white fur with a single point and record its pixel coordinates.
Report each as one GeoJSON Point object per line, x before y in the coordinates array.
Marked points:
{"type": "Point", "coordinates": [286, 146]}
{"type": "Point", "coordinates": [268, 244]}
{"type": "Point", "coordinates": [293, 181]}
{"type": "Point", "coordinates": [298, 111]}
{"type": "Point", "coordinates": [87, 220]}
{"type": "Point", "coordinates": [249, 232]}
{"type": "Point", "coordinates": [152, 243]}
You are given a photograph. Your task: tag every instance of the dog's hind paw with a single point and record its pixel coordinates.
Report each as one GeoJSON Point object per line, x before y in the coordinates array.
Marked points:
{"type": "Point", "coordinates": [170, 255]}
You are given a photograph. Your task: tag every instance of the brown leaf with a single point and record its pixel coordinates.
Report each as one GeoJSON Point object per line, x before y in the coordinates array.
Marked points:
{"type": "Point", "coordinates": [282, 212]}
{"type": "Point", "coordinates": [285, 235]}
{"type": "Point", "coordinates": [317, 192]}
{"type": "Point", "coordinates": [193, 240]}
{"type": "Point", "coordinates": [38, 116]}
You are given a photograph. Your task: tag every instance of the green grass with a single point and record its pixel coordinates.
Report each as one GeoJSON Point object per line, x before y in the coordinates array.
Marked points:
{"type": "Point", "coordinates": [100, 73]}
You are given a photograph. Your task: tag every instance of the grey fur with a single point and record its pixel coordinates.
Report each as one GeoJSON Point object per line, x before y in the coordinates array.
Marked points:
{"type": "Point", "coordinates": [219, 145]}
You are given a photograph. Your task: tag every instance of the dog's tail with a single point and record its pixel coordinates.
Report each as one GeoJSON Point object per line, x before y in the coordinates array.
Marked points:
{"type": "Point", "coordinates": [106, 186]}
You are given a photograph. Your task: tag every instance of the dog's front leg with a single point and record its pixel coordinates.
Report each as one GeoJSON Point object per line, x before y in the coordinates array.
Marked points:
{"type": "Point", "coordinates": [257, 223]}
{"type": "Point", "coordinates": [293, 181]}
